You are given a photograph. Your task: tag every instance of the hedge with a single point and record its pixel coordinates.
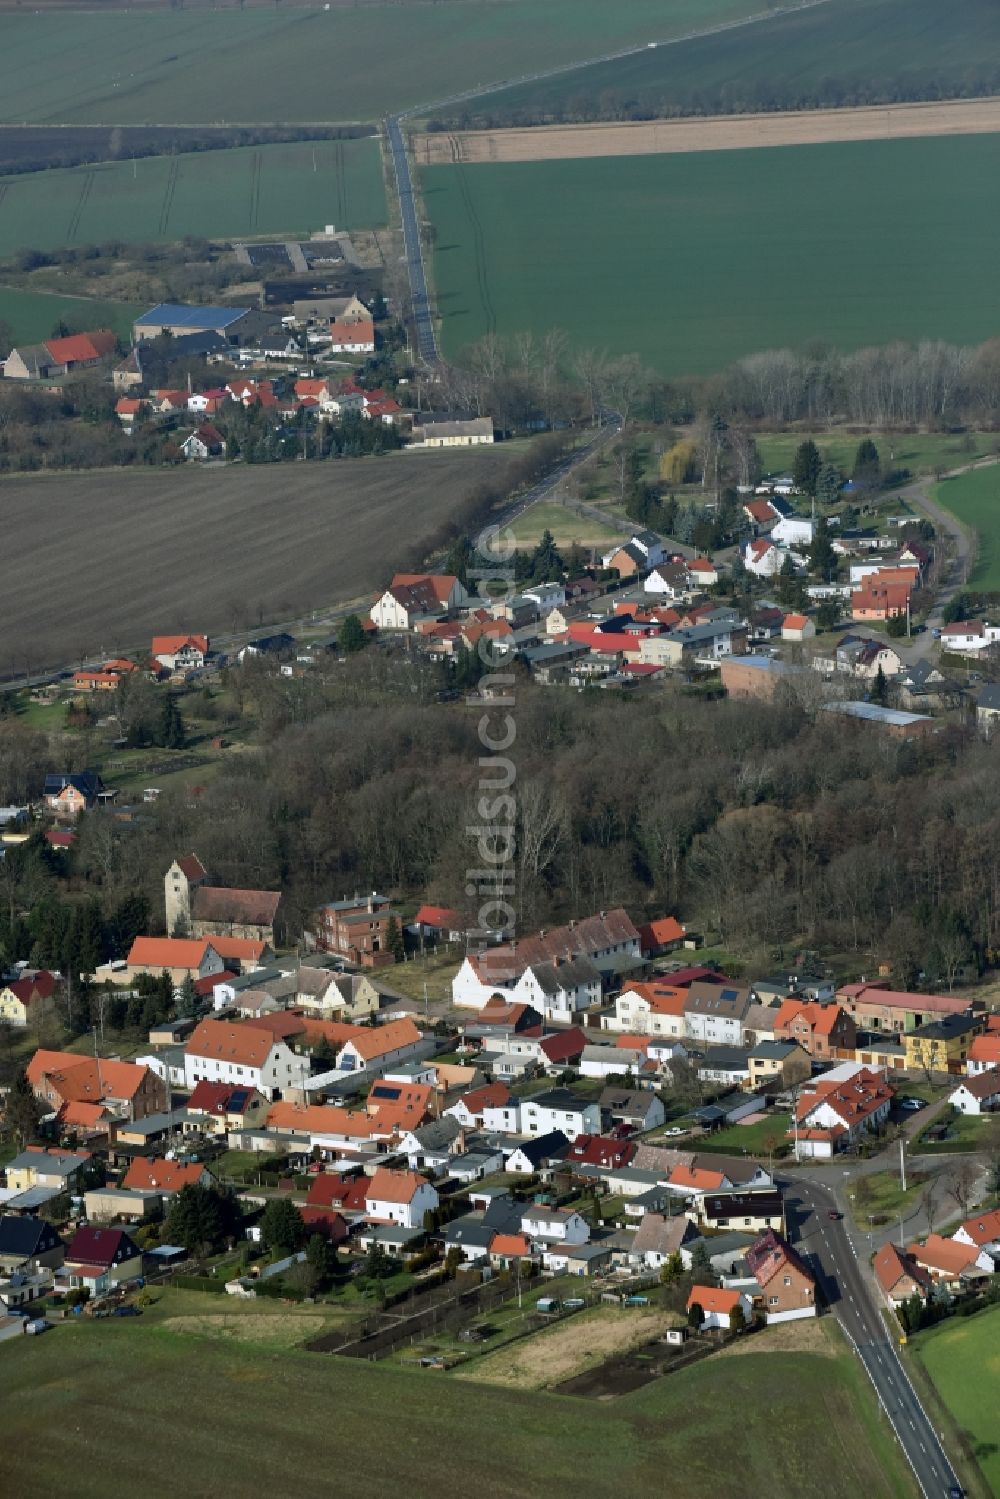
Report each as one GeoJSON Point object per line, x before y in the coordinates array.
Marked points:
{"type": "Point", "coordinates": [199, 1283]}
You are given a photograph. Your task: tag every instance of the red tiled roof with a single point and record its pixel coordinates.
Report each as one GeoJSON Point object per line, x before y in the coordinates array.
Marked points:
{"type": "Point", "coordinates": [985, 1049]}
{"type": "Point", "coordinates": [510, 1246]}
{"type": "Point", "coordinates": [712, 1299]}
{"type": "Point", "coordinates": [169, 645]}
{"type": "Point", "coordinates": [80, 347]}
{"type": "Point", "coordinates": [246, 1044]}
{"type": "Point", "coordinates": [891, 1265]}
{"type": "Point", "coordinates": [984, 1229]}
{"type": "Point", "coordinates": [161, 1175]}
{"type": "Point", "coordinates": [658, 933]}
{"type": "Point", "coordinates": [561, 1046]}
{"type": "Point", "coordinates": [393, 1186]}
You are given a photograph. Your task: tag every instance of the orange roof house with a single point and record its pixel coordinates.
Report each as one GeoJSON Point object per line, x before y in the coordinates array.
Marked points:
{"type": "Point", "coordinates": [161, 1175]}
{"type": "Point", "coordinates": [319, 1119]}
{"type": "Point", "coordinates": [820, 1029]}
{"type": "Point", "coordinates": [899, 1276]}
{"type": "Point", "coordinates": [660, 936]}
{"type": "Point", "coordinates": [246, 1044]}
{"type": "Point", "coordinates": [64, 1077]}
{"type": "Point", "coordinates": [696, 1179]}
{"type": "Point", "coordinates": [510, 1247]}
{"type": "Point", "coordinates": [984, 1053]}
{"type": "Point", "coordinates": [82, 348]}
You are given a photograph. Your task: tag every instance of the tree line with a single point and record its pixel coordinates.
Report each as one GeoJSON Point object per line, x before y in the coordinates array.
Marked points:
{"type": "Point", "coordinates": [753, 822]}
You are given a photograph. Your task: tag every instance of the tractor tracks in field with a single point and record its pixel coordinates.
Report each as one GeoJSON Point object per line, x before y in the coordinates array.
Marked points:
{"type": "Point", "coordinates": [168, 194]}
{"type": "Point", "coordinates": [86, 188]}
{"type": "Point", "coordinates": [478, 237]}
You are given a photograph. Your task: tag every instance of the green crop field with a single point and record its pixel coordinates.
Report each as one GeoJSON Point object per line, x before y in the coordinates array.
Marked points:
{"type": "Point", "coordinates": [961, 1358]}
{"type": "Point", "coordinates": [247, 190]}
{"type": "Point", "coordinates": [694, 260]}
{"type": "Point", "coordinates": [34, 315]}
{"type": "Point", "coordinates": [117, 1399]}
{"type": "Point", "coordinates": [177, 67]}
{"type": "Point", "coordinates": [975, 499]}
{"type": "Point", "coordinates": [841, 52]}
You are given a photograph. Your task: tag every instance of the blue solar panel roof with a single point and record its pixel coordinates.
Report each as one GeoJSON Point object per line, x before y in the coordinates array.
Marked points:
{"type": "Point", "coordinates": [178, 313]}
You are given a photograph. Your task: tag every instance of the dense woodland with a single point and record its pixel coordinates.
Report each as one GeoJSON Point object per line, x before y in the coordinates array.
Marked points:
{"type": "Point", "coordinates": [764, 826]}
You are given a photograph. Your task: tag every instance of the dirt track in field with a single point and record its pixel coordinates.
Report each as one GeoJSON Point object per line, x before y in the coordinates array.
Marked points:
{"type": "Point", "coordinates": [95, 563]}
{"type": "Point", "coordinates": [715, 133]}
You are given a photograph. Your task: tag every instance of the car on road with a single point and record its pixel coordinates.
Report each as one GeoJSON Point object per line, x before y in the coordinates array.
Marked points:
{"type": "Point", "coordinates": [910, 1104]}
{"type": "Point", "coordinates": [834, 1215]}
{"type": "Point", "coordinates": [936, 634]}
{"type": "Point", "coordinates": [675, 1129]}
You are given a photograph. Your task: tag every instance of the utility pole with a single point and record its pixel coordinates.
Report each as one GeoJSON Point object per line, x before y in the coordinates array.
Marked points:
{"type": "Point", "coordinates": [902, 1163]}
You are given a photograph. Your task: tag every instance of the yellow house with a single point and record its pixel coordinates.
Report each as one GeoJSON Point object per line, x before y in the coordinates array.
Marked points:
{"type": "Point", "coordinates": [782, 1061]}
{"type": "Point", "coordinates": [27, 998]}
{"type": "Point", "coordinates": [36, 1167]}
{"type": "Point", "coordinates": [940, 1045]}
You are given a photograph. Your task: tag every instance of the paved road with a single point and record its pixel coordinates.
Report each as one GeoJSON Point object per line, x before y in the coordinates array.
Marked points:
{"type": "Point", "coordinates": [850, 1295]}
{"type": "Point", "coordinates": [424, 336]}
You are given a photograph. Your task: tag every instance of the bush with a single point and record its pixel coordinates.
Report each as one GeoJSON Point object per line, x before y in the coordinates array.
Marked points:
{"type": "Point", "coordinates": [215, 1284]}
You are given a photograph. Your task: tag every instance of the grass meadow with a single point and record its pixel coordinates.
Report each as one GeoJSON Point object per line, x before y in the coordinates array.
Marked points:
{"type": "Point", "coordinates": [975, 499]}
{"type": "Point", "coordinates": [216, 194]}
{"type": "Point", "coordinates": [349, 63]}
{"type": "Point", "coordinates": [694, 260]}
{"type": "Point", "coordinates": [117, 1399]}
{"type": "Point", "coordinates": [841, 52]}
{"type": "Point", "coordinates": [920, 452]}
{"type": "Point", "coordinates": [33, 315]}
{"type": "Point", "coordinates": [960, 1356]}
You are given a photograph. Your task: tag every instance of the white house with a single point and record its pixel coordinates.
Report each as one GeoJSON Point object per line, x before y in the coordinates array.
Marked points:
{"type": "Point", "coordinates": [979, 1094]}
{"type": "Point", "coordinates": [714, 1013]}
{"type": "Point", "coordinates": [555, 1225]}
{"type": "Point", "coordinates": [401, 1197]}
{"type": "Point", "coordinates": [379, 1047]}
{"type": "Point", "coordinates": [969, 636]}
{"type": "Point", "coordinates": [651, 1009]}
{"type": "Point", "coordinates": [545, 595]}
{"type": "Point", "coordinates": [560, 988]}
{"type": "Point", "coordinates": [611, 1061]}
{"type": "Point", "coordinates": [559, 1110]}
{"type": "Point", "coordinates": [180, 652]}
{"type": "Point", "coordinates": [225, 1053]}
{"type": "Point", "coordinates": [719, 1306]}
{"type": "Point", "coordinates": [414, 596]}
{"type": "Point", "coordinates": [793, 531]}
{"type": "Point", "coordinates": [981, 1232]}
{"type": "Point", "coordinates": [492, 1108]}
{"type": "Point", "coordinates": [763, 558]}
{"type": "Point", "coordinates": [831, 1116]}
{"type": "Point", "coordinates": [703, 571]}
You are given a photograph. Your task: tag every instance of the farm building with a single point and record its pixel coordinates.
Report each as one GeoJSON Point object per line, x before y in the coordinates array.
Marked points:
{"type": "Point", "coordinates": [178, 318]}
{"type": "Point", "coordinates": [59, 356]}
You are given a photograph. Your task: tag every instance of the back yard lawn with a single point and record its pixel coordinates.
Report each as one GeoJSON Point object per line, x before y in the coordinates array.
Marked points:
{"type": "Point", "coordinates": [765, 1137]}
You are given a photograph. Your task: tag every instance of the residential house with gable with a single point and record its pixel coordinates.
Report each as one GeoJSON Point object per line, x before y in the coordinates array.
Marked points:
{"type": "Point", "coordinates": [400, 1197]}
{"type": "Point", "coordinates": [412, 597]}
{"type": "Point", "coordinates": [559, 1110]}
{"type": "Point", "coordinates": [29, 998]}
{"type": "Point", "coordinates": [824, 1031]}
{"type": "Point", "coordinates": [833, 1115]}
{"type": "Point", "coordinates": [609, 941]}
{"type": "Point", "coordinates": [899, 1276]}
{"type": "Point", "coordinates": [180, 653]}
{"type": "Point", "coordinates": [981, 1232]}
{"type": "Point", "coordinates": [787, 1287]}
{"type": "Point", "coordinates": [714, 1012]}
{"type": "Point", "coordinates": [242, 1054]}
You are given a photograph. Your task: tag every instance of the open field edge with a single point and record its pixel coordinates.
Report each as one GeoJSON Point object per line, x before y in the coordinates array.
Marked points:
{"type": "Point", "coordinates": [713, 133]}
